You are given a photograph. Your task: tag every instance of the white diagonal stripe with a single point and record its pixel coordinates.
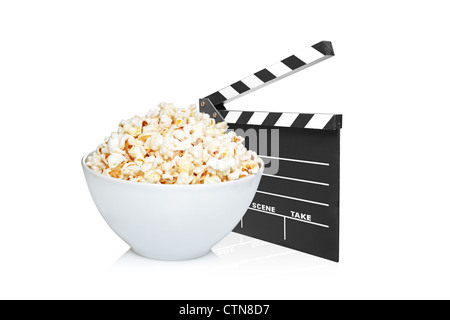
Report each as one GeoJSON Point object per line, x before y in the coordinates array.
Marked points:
{"type": "Point", "coordinates": [229, 92]}
{"type": "Point", "coordinates": [252, 81]}
{"type": "Point", "coordinates": [297, 199]}
{"type": "Point", "coordinates": [258, 118]}
{"type": "Point", "coordinates": [233, 116]}
{"type": "Point", "coordinates": [309, 55]}
{"type": "Point", "coordinates": [318, 121]}
{"type": "Point", "coordinates": [286, 119]}
{"type": "Point", "coordinates": [279, 69]}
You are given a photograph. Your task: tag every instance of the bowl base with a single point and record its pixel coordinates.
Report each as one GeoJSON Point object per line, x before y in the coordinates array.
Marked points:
{"type": "Point", "coordinates": [169, 258]}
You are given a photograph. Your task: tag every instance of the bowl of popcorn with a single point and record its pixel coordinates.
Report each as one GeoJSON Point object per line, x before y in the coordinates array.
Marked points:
{"type": "Point", "coordinates": [172, 183]}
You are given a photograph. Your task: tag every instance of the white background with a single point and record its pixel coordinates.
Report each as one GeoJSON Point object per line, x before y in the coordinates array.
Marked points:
{"type": "Point", "coordinates": [71, 70]}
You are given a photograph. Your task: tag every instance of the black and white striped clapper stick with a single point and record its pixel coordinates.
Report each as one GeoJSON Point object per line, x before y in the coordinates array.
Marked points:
{"type": "Point", "coordinates": [297, 203]}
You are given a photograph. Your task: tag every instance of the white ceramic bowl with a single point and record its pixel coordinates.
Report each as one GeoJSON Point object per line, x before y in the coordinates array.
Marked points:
{"type": "Point", "coordinates": [171, 222]}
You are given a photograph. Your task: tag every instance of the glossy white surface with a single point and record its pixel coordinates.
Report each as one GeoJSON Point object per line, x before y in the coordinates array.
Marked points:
{"type": "Point", "coordinates": [171, 222]}
{"type": "Point", "coordinates": [235, 254]}
{"type": "Point", "coordinates": [70, 70]}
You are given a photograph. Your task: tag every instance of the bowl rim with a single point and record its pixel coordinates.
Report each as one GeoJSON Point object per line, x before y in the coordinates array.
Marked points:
{"type": "Point", "coordinates": [153, 185]}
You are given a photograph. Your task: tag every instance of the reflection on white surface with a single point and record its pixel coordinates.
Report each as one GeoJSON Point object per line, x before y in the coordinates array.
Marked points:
{"type": "Point", "coordinates": [234, 255]}
{"type": "Point", "coordinates": [261, 258]}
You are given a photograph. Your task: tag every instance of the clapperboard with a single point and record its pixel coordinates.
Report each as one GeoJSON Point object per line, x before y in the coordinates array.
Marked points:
{"type": "Point", "coordinates": [297, 202]}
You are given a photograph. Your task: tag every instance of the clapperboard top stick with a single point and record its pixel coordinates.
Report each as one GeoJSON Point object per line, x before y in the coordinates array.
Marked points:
{"type": "Point", "coordinates": [297, 202]}
{"type": "Point", "coordinates": [214, 103]}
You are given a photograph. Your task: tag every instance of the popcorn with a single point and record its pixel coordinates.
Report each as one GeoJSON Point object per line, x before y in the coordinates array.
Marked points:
{"type": "Point", "coordinates": [115, 160]}
{"type": "Point", "coordinates": [152, 176]}
{"type": "Point", "coordinates": [131, 170]}
{"type": "Point", "coordinates": [174, 146]}
{"type": "Point", "coordinates": [167, 177]}
{"type": "Point", "coordinates": [96, 163]}
{"type": "Point", "coordinates": [114, 173]}
{"type": "Point", "coordinates": [199, 170]}
{"type": "Point", "coordinates": [234, 175]}
{"type": "Point", "coordinates": [184, 178]}
{"type": "Point", "coordinates": [137, 154]}
{"type": "Point", "coordinates": [212, 179]}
